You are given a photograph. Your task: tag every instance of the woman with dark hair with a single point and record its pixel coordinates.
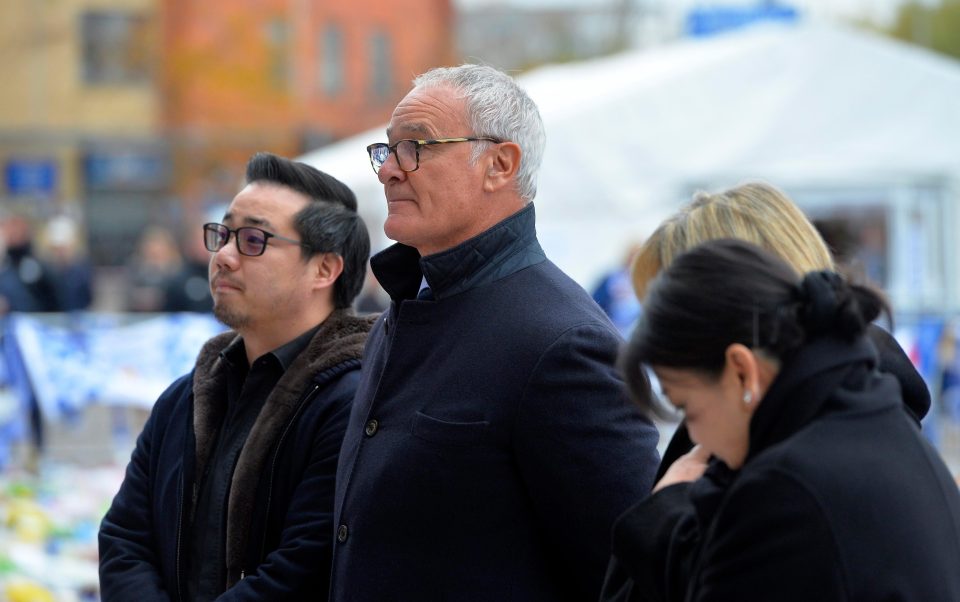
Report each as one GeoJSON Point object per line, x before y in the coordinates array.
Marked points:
{"type": "Point", "coordinates": [819, 486]}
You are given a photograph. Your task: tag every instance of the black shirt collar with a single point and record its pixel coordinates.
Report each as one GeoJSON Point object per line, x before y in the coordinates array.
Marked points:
{"type": "Point", "coordinates": [235, 354]}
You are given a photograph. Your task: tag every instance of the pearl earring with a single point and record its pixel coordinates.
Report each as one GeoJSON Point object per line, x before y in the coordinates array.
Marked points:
{"type": "Point", "coordinates": [747, 397]}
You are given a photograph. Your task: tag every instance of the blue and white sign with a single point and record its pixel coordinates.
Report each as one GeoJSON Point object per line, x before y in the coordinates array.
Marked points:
{"type": "Point", "coordinates": [103, 358]}
{"type": "Point", "coordinates": [36, 177]}
{"type": "Point", "coordinates": [711, 20]}
{"type": "Point", "coordinates": [126, 170]}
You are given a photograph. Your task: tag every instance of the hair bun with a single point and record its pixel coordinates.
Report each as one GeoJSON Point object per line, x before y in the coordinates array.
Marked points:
{"type": "Point", "coordinates": [820, 300]}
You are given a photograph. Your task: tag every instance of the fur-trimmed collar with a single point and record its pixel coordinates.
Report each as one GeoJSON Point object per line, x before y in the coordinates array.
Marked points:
{"type": "Point", "coordinates": [337, 344]}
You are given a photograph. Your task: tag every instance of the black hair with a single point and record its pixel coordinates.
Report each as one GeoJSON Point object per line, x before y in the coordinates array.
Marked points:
{"type": "Point", "coordinates": [729, 291]}
{"type": "Point", "coordinates": [301, 177]}
{"type": "Point", "coordinates": [333, 229]}
{"type": "Point", "coordinates": [330, 224]}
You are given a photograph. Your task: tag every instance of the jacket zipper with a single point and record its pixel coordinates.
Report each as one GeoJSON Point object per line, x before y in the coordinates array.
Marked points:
{"type": "Point", "coordinates": [273, 464]}
{"type": "Point", "coordinates": [180, 539]}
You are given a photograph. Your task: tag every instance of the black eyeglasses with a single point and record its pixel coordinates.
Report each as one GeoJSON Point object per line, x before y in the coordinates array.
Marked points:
{"type": "Point", "coordinates": [408, 151]}
{"type": "Point", "coordinates": [250, 241]}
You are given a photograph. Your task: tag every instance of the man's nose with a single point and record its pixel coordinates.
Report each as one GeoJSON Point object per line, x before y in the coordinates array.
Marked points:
{"type": "Point", "coordinates": [228, 254]}
{"type": "Point", "coordinates": [391, 169]}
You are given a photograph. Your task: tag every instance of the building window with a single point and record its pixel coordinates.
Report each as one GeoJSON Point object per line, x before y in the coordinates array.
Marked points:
{"type": "Point", "coordinates": [117, 47]}
{"type": "Point", "coordinates": [381, 82]}
{"type": "Point", "coordinates": [331, 60]}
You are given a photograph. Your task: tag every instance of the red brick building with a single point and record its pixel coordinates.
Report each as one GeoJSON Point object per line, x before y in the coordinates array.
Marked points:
{"type": "Point", "coordinates": [285, 76]}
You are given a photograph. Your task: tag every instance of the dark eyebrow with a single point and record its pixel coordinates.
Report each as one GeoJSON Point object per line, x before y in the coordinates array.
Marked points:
{"type": "Point", "coordinates": [249, 221]}
{"type": "Point", "coordinates": [256, 221]}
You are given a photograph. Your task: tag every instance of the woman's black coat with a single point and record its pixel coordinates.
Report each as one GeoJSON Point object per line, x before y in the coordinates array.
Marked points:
{"type": "Point", "coordinates": [840, 498]}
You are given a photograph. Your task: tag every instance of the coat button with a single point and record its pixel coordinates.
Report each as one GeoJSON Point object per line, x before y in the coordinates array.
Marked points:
{"type": "Point", "coordinates": [342, 533]}
{"type": "Point", "coordinates": [371, 428]}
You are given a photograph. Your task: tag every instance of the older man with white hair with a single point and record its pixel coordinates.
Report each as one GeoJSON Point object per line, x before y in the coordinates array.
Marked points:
{"type": "Point", "coordinates": [490, 446]}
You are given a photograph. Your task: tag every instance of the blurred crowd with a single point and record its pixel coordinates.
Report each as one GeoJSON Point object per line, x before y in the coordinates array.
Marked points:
{"type": "Point", "coordinates": [44, 268]}
{"type": "Point", "coordinates": [45, 272]}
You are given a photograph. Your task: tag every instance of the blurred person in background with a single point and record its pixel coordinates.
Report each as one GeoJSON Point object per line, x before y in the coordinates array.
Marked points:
{"type": "Point", "coordinates": [155, 264]}
{"type": "Point", "coordinates": [26, 284]}
{"type": "Point", "coordinates": [809, 481]}
{"type": "Point", "coordinates": [946, 378]}
{"type": "Point", "coordinates": [765, 216]}
{"type": "Point", "coordinates": [187, 289]}
{"type": "Point", "coordinates": [491, 444]}
{"type": "Point", "coordinates": [229, 491]}
{"type": "Point", "coordinates": [859, 251]}
{"type": "Point", "coordinates": [71, 269]}
{"type": "Point", "coordinates": [614, 293]}
{"type": "Point", "coordinates": [372, 299]}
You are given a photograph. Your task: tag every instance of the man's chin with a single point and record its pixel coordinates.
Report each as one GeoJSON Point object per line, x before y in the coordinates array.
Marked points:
{"type": "Point", "coordinates": [229, 318]}
{"type": "Point", "coordinates": [397, 227]}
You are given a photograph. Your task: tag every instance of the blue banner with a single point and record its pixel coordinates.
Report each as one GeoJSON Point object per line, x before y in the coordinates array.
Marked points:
{"type": "Point", "coordinates": [78, 359]}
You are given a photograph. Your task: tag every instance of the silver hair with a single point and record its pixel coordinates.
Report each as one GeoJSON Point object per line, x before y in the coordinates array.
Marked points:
{"type": "Point", "coordinates": [496, 107]}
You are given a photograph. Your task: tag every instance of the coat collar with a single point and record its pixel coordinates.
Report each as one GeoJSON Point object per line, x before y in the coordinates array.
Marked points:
{"type": "Point", "coordinates": [504, 249]}
{"type": "Point", "coordinates": [336, 346]}
{"type": "Point", "coordinates": [804, 385]}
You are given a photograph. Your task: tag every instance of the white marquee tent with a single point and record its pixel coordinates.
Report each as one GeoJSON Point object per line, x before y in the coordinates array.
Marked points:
{"type": "Point", "coordinates": [832, 115]}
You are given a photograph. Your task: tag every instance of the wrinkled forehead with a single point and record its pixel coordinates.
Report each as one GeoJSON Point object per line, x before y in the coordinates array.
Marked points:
{"type": "Point", "coordinates": [429, 112]}
{"type": "Point", "coordinates": [413, 129]}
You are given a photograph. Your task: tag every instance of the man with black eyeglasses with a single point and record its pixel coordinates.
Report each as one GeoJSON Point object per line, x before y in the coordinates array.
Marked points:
{"type": "Point", "coordinates": [229, 491]}
{"type": "Point", "coordinates": [491, 446]}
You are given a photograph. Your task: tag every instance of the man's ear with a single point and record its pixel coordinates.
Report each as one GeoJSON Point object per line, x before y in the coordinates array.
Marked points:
{"type": "Point", "coordinates": [502, 167]}
{"type": "Point", "coordinates": [328, 267]}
